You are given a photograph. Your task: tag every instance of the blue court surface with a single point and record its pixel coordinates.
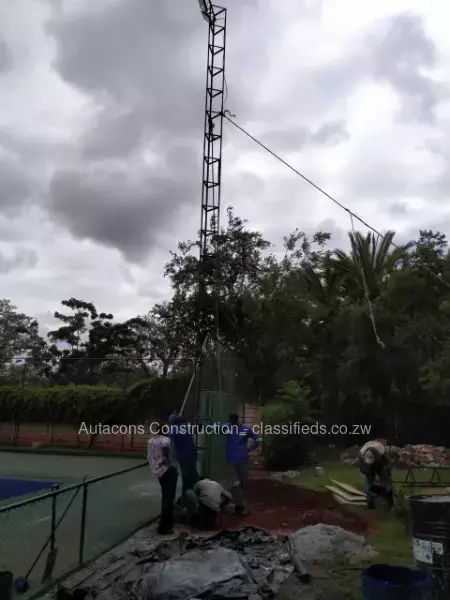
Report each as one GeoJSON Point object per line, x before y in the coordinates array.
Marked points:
{"type": "Point", "coordinates": [10, 488]}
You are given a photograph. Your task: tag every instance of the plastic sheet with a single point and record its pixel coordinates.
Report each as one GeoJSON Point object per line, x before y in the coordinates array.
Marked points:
{"type": "Point", "coordinates": [231, 564]}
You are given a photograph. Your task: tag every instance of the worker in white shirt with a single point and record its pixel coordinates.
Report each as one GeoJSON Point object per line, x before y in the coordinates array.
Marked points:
{"type": "Point", "coordinates": [161, 465]}
{"type": "Point", "coordinates": [211, 498]}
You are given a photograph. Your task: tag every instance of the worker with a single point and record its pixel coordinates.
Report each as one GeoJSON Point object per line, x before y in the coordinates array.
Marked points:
{"type": "Point", "coordinates": [374, 465]}
{"type": "Point", "coordinates": [212, 497]}
{"type": "Point", "coordinates": [161, 465]}
{"type": "Point", "coordinates": [240, 441]}
{"type": "Point", "coordinates": [185, 450]}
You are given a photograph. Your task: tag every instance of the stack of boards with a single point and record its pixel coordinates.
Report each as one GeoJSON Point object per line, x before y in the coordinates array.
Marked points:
{"type": "Point", "coordinates": [346, 494]}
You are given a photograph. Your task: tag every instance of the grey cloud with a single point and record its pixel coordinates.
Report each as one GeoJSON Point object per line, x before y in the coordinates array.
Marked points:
{"type": "Point", "coordinates": [295, 139]}
{"type": "Point", "coordinates": [399, 209]}
{"type": "Point", "coordinates": [114, 136]}
{"type": "Point", "coordinates": [120, 211]}
{"type": "Point", "coordinates": [401, 51]}
{"type": "Point", "coordinates": [23, 258]}
{"type": "Point", "coordinates": [331, 133]}
{"type": "Point", "coordinates": [6, 57]}
{"type": "Point", "coordinates": [147, 59]}
{"type": "Point", "coordinates": [14, 187]}
{"type": "Point", "coordinates": [377, 176]}
{"type": "Point", "coordinates": [144, 63]}
{"type": "Point", "coordinates": [395, 50]}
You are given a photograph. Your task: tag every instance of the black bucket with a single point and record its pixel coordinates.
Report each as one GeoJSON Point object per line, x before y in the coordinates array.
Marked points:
{"type": "Point", "coordinates": [430, 521]}
{"type": "Point", "coordinates": [6, 584]}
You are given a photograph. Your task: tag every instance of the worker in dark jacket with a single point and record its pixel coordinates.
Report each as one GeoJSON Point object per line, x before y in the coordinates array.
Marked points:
{"type": "Point", "coordinates": [374, 465]}
{"type": "Point", "coordinates": [185, 450]}
{"type": "Point", "coordinates": [240, 441]}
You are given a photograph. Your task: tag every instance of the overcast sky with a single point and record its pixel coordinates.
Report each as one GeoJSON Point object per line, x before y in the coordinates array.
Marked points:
{"type": "Point", "coordinates": [101, 125]}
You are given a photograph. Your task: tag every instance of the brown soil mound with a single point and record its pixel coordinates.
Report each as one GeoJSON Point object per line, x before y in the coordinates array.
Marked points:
{"type": "Point", "coordinates": [276, 505]}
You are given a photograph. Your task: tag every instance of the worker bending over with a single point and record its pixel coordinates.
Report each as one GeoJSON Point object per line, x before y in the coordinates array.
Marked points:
{"type": "Point", "coordinates": [240, 441]}
{"type": "Point", "coordinates": [211, 497]}
{"type": "Point", "coordinates": [374, 465]}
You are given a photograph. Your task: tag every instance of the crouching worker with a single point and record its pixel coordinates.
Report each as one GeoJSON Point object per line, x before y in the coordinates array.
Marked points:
{"type": "Point", "coordinates": [374, 465]}
{"type": "Point", "coordinates": [212, 497]}
{"type": "Point", "coordinates": [205, 502]}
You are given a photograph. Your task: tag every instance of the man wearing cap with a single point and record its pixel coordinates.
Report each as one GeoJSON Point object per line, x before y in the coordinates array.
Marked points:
{"type": "Point", "coordinates": [374, 465]}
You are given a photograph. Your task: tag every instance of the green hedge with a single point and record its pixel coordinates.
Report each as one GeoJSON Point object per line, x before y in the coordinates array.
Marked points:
{"type": "Point", "coordinates": [91, 404]}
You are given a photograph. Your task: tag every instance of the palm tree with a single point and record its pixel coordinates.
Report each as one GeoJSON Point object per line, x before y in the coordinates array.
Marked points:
{"type": "Point", "coordinates": [370, 262]}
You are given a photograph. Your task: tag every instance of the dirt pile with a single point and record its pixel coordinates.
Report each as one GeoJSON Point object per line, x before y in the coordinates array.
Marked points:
{"type": "Point", "coordinates": [280, 506]}
{"type": "Point", "coordinates": [419, 455]}
{"type": "Point", "coordinates": [322, 542]}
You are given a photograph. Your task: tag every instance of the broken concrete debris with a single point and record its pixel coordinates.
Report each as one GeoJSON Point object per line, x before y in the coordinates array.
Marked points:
{"type": "Point", "coordinates": [418, 455]}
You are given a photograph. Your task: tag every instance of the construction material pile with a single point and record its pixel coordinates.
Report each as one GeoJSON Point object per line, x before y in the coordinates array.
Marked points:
{"type": "Point", "coordinates": [249, 563]}
{"type": "Point", "coordinates": [237, 564]}
{"type": "Point", "coordinates": [323, 542]}
{"type": "Point", "coordinates": [419, 455]}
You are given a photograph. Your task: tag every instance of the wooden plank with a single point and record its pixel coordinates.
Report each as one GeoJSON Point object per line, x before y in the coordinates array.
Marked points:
{"type": "Point", "coordinates": [348, 488]}
{"type": "Point", "coordinates": [347, 497]}
{"type": "Point", "coordinates": [348, 502]}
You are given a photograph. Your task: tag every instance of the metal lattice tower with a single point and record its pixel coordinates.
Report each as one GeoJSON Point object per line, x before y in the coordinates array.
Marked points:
{"type": "Point", "coordinates": [216, 17]}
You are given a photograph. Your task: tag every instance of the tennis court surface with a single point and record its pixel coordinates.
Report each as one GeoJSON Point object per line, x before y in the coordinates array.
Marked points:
{"type": "Point", "coordinates": [115, 507]}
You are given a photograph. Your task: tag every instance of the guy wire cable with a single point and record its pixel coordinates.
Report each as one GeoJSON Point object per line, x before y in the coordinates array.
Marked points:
{"type": "Point", "coordinates": [319, 189]}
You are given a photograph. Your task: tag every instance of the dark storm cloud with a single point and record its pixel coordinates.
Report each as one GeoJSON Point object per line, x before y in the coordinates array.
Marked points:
{"type": "Point", "coordinates": [115, 209]}
{"type": "Point", "coordinates": [14, 186]}
{"type": "Point", "coordinates": [144, 63]}
{"type": "Point", "coordinates": [115, 135]}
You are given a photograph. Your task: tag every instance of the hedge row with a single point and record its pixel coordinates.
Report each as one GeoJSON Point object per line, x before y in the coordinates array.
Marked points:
{"type": "Point", "coordinates": [91, 404]}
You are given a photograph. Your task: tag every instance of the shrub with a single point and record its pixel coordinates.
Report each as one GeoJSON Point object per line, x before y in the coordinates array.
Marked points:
{"type": "Point", "coordinates": [92, 404]}
{"type": "Point", "coordinates": [287, 450]}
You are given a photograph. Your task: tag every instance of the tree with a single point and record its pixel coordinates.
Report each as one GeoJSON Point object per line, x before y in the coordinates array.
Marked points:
{"type": "Point", "coordinates": [249, 295]}
{"type": "Point", "coordinates": [368, 265]}
{"type": "Point", "coordinates": [19, 337]}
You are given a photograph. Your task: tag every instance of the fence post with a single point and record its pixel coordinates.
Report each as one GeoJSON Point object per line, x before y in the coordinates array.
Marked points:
{"type": "Point", "coordinates": [51, 558]}
{"type": "Point", "coordinates": [83, 524]}
{"type": "Point", "coordinates": [53, 525]}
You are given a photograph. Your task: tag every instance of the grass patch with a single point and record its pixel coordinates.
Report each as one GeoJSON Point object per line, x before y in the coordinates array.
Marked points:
{"type": "Point", "coordinates": [392, 541]}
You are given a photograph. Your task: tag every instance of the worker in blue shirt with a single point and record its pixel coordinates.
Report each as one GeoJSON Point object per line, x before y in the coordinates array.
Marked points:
{"type": "Point", "coordinates": [240, 441]}
{"type": "Point", "coordinates": [185, 450]}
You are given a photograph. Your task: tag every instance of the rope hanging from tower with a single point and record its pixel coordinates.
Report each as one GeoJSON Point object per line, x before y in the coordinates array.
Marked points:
{"type": "Point", "coordinates": [366, 290]}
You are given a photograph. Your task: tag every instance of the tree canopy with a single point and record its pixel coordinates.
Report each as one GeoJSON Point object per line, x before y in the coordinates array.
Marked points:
{"type": "Point", "coordinates": [367, 329]}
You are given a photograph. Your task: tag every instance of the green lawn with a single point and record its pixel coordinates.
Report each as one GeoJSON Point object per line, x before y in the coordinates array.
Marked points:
{"type": "Point", "coordinates": [393, 542]}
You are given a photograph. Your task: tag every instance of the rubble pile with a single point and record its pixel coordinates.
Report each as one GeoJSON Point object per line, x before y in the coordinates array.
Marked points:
{"type": "Point", "coordinates": [419, 455]}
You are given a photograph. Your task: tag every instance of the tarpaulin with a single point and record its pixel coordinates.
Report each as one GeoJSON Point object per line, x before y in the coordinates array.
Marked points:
{"type": "Point", "coordinates": [230, 564]}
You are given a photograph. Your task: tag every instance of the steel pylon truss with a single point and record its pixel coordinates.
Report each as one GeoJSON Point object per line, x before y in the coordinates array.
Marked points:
{"type": "Point", "coordinates": [212, 144]}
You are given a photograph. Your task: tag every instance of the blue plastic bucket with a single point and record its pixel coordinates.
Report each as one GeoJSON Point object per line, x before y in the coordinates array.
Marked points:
{"type": "Point", "coordinates": [388, 582]}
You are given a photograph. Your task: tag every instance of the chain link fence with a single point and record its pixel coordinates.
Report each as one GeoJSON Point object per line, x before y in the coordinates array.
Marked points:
{"type": "Point", "coordinates": [46, 537]}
